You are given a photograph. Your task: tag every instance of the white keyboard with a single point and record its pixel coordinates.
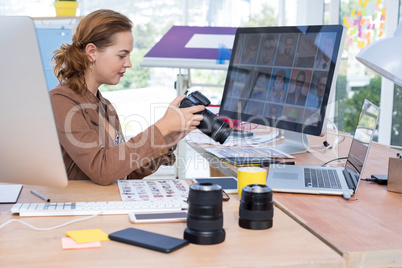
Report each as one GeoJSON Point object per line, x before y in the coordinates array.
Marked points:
{"type": "Point", "coordinates": [91, 208]}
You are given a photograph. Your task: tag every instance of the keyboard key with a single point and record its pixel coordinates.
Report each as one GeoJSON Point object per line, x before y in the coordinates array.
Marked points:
{"type": "Point", "coordinates": [314, 178]}
{"type": "Point", "coordinates": [327, 180]}
{"type": "Point", "coordinates": [335, 181]}
{"type": "Point", "coordinates": [321, 178]}
{"type": "Point", "coordinates": [307, 177]}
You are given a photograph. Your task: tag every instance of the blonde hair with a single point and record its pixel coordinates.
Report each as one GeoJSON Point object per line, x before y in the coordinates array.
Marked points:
{"type": "Point", "coordinates": [100, 28]}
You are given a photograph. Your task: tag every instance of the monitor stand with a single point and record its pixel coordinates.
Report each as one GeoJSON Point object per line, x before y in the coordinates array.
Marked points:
{"type": "Point", "coordinates": [294, 142]}
{"type": "Point", "coordinates": [240, 133]}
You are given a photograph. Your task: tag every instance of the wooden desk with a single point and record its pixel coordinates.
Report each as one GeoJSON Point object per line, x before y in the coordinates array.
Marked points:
{"type": "Point", "coordinates": [283, 245]}
{"type": "Point", "coordinates": [366, 232]}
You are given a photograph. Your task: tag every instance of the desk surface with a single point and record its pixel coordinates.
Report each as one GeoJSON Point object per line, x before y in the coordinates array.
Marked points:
{"type": "Point", "coordinates": [366, 232]}
{"type": "Point", "coordinates": [282, 245]}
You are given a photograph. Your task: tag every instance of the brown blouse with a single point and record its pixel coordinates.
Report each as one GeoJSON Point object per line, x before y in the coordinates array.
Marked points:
{"type": "Point", "coordinates": [89, 151]}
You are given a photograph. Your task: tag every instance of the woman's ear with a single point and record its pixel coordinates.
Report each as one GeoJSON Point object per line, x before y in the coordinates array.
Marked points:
{"type": "Point", "coordinates": [90, 51]}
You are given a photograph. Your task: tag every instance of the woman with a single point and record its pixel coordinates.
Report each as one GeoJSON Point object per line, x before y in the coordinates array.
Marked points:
{"type": "Point", "coordinates": [88, 126]}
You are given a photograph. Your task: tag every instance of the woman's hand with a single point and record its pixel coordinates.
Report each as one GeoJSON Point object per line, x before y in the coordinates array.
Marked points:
{"type": "Point", "coordinates": [178, 119]}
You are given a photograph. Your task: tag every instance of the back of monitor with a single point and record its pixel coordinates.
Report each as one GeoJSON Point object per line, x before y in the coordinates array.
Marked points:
{"type": "Point", "coordinates": [30, 152]}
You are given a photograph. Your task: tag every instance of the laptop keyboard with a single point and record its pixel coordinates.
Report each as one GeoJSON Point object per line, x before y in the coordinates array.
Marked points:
{"type": "Point", "coordinates": [321, 178]}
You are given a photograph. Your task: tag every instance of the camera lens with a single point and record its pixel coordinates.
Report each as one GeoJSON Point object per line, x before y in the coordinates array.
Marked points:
{"type": "Point", "coordinates": [211, 125]}
{"type": "Point", "coordinates": [214, 127]}
{"type": "Point", "coordinates": [256, 207]}
{"type": "Point", "coordinates": [205, 217]}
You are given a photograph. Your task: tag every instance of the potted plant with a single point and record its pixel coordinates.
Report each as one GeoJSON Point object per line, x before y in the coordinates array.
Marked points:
{"type": "Point", "coordinates": [65, 7]}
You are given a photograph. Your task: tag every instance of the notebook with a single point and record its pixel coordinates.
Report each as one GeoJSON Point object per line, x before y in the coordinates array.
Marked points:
{"type": "Point", "coordinates": [330, 180]}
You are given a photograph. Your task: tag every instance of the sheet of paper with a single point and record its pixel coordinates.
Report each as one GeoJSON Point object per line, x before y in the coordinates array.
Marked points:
{"type": "Point", "coordinates": [9, 193]}
{"type": "Point", "coordinates": [69, 243]}
{"type": "Point", "coordinates": [197, 136]}
{"type": "Point", "coordinates": [247, 152]}
{"type": "Point", "coordinates": [210, 41]}
{"type": "Point", "coordinates": [86, 236]}
{"type": "Point", "coordinates": [149, 190]}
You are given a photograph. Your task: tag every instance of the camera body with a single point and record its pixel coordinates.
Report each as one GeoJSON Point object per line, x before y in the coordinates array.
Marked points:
{"type": "Point", "coordinates": [195, 98]}
{"type": "Point", "coordinates": [212, 125]}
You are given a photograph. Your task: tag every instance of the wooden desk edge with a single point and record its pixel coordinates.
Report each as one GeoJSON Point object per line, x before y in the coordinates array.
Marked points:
{"type": "Point", "coordinates": [300, 221]}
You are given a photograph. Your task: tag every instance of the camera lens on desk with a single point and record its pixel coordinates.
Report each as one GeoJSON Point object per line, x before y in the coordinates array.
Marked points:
{"type": "Point", "coordinates": [205, 216]}
{"type": "Point", "coordinates": [256, 207]}
{"type": "Point", "coordinates": [211, 125]}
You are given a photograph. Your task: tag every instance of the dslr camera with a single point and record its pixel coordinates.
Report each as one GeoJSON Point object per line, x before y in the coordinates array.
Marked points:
{"type": "Point", "coordinates": [211, 125]}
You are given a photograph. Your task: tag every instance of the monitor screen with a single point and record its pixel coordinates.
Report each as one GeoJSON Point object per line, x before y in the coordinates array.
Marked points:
{"type": "Point", "coordinates": [282, 76]}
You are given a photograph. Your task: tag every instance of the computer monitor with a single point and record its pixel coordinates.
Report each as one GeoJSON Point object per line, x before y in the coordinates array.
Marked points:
{"type": "Point", "coordinates": [30, 151]}
{"type": "Point", "coordinates": [284, 77]}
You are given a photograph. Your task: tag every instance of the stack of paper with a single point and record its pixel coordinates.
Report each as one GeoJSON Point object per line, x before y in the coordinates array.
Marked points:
{"type": "Point", "coordinates": [84, 239]}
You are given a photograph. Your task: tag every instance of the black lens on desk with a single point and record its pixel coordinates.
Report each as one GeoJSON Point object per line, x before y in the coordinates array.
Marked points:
{"type": "Point", "coordinates": [205, 216]}
{"type": "Point", "coordinates": [256, 207]}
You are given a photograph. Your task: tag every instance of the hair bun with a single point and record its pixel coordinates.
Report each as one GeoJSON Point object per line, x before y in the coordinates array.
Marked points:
{"type": "Point", "coordinates": [78, 44]}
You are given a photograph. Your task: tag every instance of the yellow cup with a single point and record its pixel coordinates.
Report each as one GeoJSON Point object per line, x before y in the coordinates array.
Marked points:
{"type": "Point", "coordinates": [250, 175]}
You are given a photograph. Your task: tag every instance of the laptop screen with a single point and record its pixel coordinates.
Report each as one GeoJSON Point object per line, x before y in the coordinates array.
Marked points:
{"type": "Point", "coordinates": [361, 141]}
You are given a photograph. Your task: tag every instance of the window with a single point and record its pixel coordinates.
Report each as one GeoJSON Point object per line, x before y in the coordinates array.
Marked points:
{"type": "Point", "coordinates": [355, 82]}
{"type": "Point", "coordinates": [396, 135]}
{"type": "Point", "coordinates": [153, 18]}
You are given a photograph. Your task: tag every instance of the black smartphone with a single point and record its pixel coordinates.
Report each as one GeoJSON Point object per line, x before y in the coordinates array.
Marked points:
{"type": "Point", "coordinates": [149, 240]}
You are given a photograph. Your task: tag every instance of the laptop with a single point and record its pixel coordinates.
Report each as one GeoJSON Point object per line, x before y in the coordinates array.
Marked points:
{"type": "Point", "coordinates": [330, 180]}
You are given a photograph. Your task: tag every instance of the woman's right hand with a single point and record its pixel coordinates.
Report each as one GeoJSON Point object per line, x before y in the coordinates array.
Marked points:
{"type": "Point", "coordinates": [178, 119]}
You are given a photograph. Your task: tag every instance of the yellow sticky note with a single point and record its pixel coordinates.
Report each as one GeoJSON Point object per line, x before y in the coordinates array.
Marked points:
{"type": "Point", "coordinates": [86, 236]}
{"type": "Point", "coordinates": [69, 243]}
{"type": "Point", "coordinates": [352, 13]}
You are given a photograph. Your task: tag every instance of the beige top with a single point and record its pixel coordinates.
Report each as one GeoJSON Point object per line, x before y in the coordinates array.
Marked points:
{"type": "Point", "coordinates": [88, 149]}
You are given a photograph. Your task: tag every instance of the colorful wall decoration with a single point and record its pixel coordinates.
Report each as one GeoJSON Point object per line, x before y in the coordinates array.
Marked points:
{"type": "Point", "coordinates": [366, 23]}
